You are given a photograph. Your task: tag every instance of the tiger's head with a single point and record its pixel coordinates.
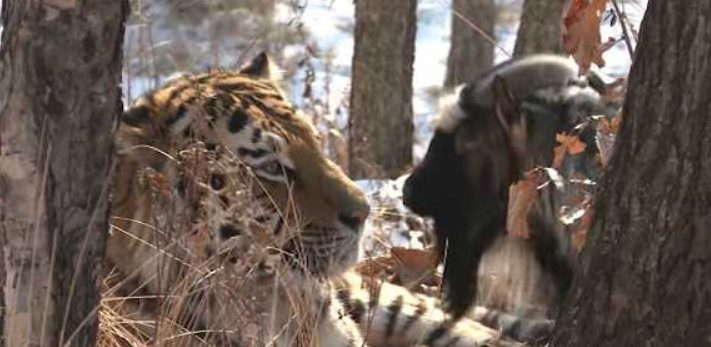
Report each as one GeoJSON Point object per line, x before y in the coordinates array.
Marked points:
{"type": "Point", "coordinates": [306, 201]}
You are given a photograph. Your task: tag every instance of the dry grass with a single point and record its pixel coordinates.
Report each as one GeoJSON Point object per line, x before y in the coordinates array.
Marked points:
{"type": "Point", "coordinates": [225, 291]}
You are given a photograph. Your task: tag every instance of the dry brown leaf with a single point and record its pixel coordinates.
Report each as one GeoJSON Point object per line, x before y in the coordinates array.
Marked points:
{"type": "Point", "coordinates": [568, 144]}
{"type": "Point", "coordinates": [414, 268]}
{"type": "Point", "coordinates": [581, 36]}
{"type": "Point", "coordinates": [522, 196]}
{"type": "Point", "coordinates": [574, 145]}
{"type": "Point", "coordinates": [416, 259]}
{"type": "Point", "coordinates": [411, 268]}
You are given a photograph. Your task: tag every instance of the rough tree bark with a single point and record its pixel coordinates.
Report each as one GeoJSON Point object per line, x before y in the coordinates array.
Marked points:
{"type": "Point", "coordinates": [60, 69]}
{"type": "Point", "coordinates": [2, 278]}
{"type": "Point", "coordinates": [645, 271]}
{"type": "Point", "coordinates": [380, 124]}
{"type": "Point", "coordinates": [470, 53]}
{"type": "Point", "coordinates": [539, 30]}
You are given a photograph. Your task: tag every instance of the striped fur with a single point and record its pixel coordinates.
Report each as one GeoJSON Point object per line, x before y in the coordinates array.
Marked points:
{"type": "Point", "coordinates": [225, 209]}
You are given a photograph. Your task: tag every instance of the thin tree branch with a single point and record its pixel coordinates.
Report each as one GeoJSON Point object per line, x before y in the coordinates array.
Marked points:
{"type": "Point", "coordinates": [623, 25]}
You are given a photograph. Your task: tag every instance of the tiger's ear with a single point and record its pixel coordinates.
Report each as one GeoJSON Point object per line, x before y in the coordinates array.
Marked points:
{"type": "Point", "coordinates": [262, 67]}
{"type": "Point", "coordinates": [509, 115]}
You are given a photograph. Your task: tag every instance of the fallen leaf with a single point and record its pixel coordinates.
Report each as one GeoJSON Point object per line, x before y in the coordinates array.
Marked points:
{"type": "Point", "coordinates": [411, 268]}
{"type": "Point", "coordinates": [417, 259]}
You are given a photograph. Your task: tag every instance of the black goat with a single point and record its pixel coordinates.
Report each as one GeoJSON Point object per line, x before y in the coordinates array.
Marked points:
{"type": "Point", "coordinates": [488, 134]}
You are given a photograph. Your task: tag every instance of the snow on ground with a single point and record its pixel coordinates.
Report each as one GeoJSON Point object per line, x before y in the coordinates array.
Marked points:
{"type": "Point", "coordinates": [390, 222]}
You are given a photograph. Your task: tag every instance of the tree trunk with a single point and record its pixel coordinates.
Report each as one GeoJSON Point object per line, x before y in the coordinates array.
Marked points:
{"type": "Point", "coordinates": [2, 277]}
{"type": "Point", "coordinates": [539, 30]}
{"type": "Point", "coordinates": [60, 70]}
{"type": "Point", "coordinates": [380, 123]}
{"type": "Point", "coordinates": [644, 277]}
{"type": "Point", "coordinates": [470, 53]}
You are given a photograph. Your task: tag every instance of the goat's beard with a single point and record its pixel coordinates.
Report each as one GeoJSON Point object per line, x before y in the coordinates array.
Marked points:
{"type": "Point", "coordinates": [461, 244]}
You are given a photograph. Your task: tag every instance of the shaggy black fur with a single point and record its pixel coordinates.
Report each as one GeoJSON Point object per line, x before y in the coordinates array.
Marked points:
{"type": "Point", "coordinates": [464, 187]}
{"type": "Point", "coordinates": [463, 180]}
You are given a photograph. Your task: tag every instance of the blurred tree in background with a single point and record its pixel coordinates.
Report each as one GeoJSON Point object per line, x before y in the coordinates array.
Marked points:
{"type": "Point", "coordinates": [166, 36]}
{"type": "Point", "coordinates": [380, 123]}
{"type": "Point", "coordinates": [539, 30]}
{"type": "Point", "coordinates": [471, 48]}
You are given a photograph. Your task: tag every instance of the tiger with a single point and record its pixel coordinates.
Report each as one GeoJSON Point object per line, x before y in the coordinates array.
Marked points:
{"type": "Point", "coordinates": [227, 216]}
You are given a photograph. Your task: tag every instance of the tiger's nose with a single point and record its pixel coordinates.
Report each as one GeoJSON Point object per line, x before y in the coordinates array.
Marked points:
{"type": "Point", "coordinates": [354, 219]}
